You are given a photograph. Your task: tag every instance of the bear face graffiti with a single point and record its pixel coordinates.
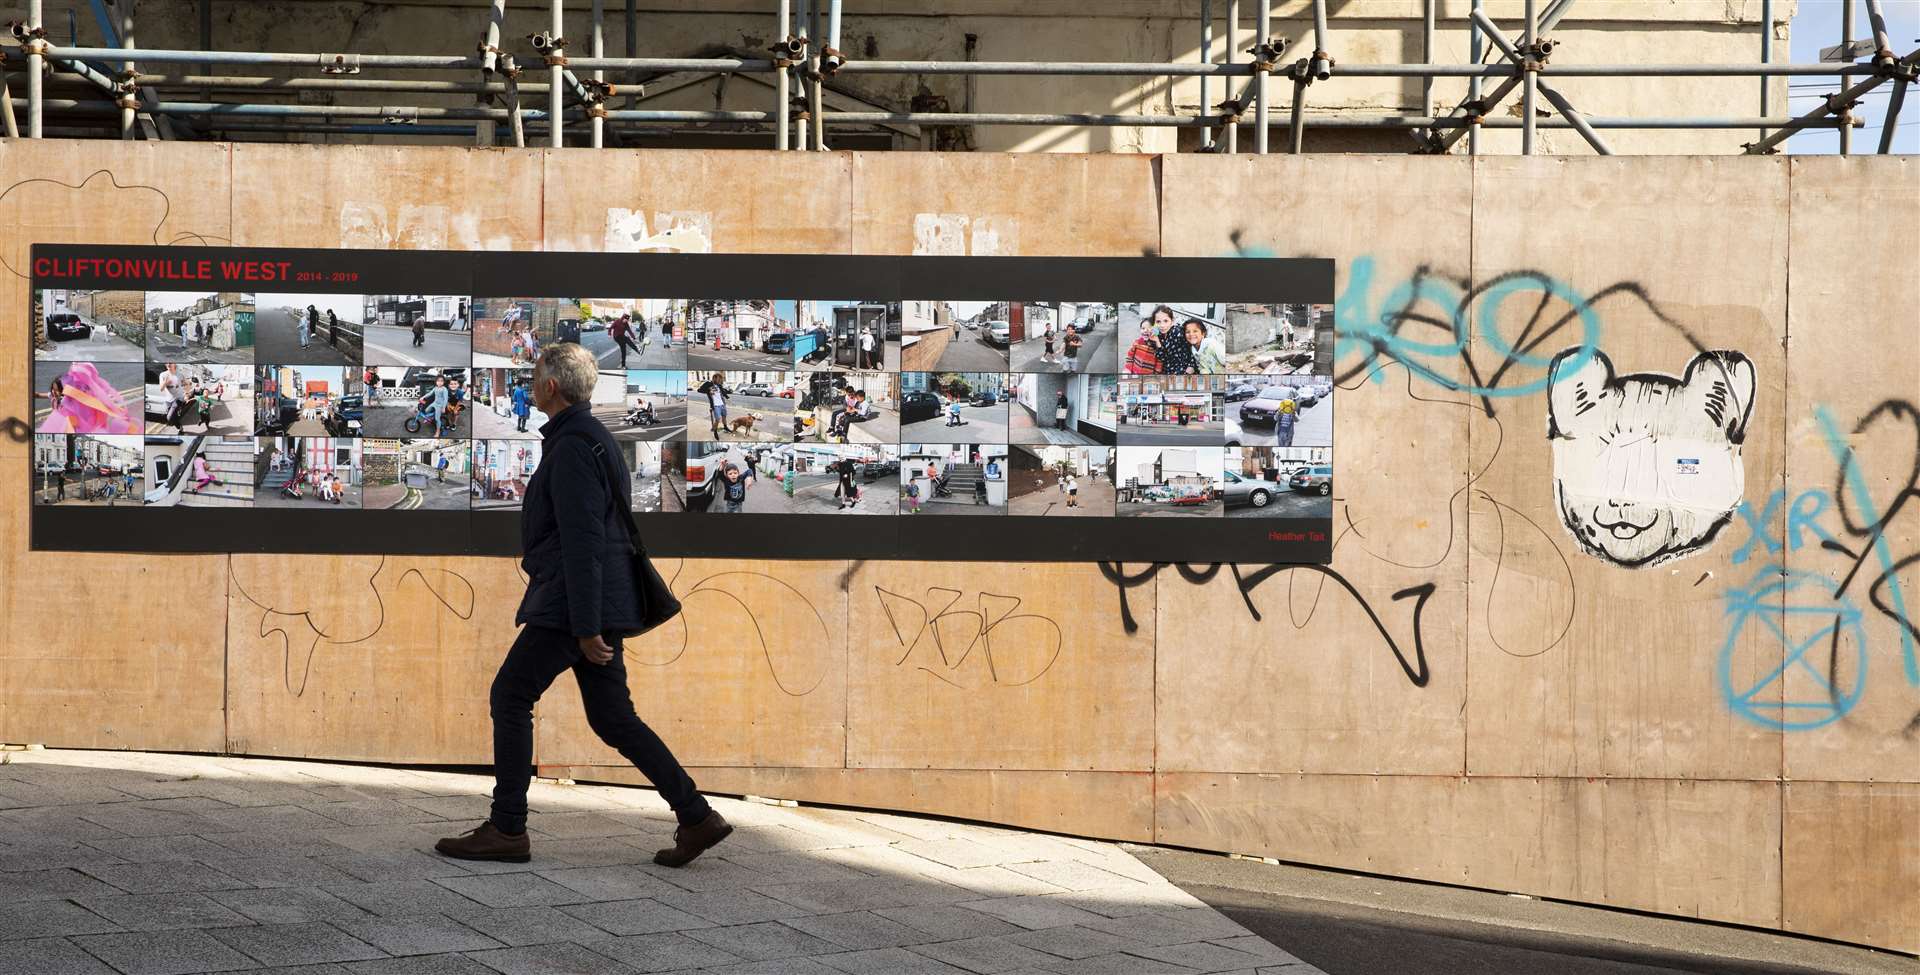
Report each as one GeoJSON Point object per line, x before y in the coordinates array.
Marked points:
{"type": "Point", "coordinates": [1646, 466]}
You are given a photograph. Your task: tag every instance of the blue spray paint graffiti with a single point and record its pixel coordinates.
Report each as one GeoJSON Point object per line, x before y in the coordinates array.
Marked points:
{"type": "Point", "coordinates": [1774, 594]}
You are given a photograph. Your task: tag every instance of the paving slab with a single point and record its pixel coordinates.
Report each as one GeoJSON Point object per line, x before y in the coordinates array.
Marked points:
{"type": "Point", "coordinates": [312, 868]}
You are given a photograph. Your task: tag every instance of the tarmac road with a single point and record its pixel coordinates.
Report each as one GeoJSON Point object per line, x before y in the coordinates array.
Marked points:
{"type": "Point", "coordinates": [774, 426]}
{"type": "Point", "coordinates": [969, 351]}
{"type": "Point", "coordinates": [706, 358]}
{"type": "Point", "coordinates": [1312, 428]}
{"type": "Point", "coordinates": [1286, 504]}
{"type": "Point", "coordinates": [1160, 509]}
{"type": "Point", "coordinates": [672, 424]}
{"type": "Point", "coordinates": [1133, 434]}
{"type": "Point", "coordinates": [276, 339]}
{"type": "Point", "coordinates": [658, 355]}
{"type": "Point", "coordinates": [985, 424]}
{"type": "Point", "coordinates": [392, 345]}
{"type": "Point", "coordinates": [1097, 353]}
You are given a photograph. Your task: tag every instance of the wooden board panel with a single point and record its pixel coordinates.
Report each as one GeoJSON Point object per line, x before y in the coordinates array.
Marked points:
{"type": "Point", "coordinates": [1695, 849]}
{"type": "Point", "coordinates": [982, 666]}
{"type": "Point", "coordinates": [1108, 805]}
{"type": "Point", "coordinates": [1631, 690]}
{"type": "Point", "coordinates": [743, 202]}
{"type": "Point", "coordinates": [1852, 862]}
{"type": "Point", "coordinates": [387, 197]}
{"type": "Point", "coordinates": [1853, 441]}
{"type": "Point", "coordinates": [366, 658]}
{"type": "Point", "coordinates": [88, 656]}
{"type": "Point", "coordinates": [753, 673]}
{"type": "Point", "coordinates": [987, 204]}
{"type": "Point", "coordinates": [1330, 678]}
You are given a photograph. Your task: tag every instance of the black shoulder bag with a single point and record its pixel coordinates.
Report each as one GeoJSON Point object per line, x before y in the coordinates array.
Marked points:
{"type": "Point", "coordinates": [657, 602]}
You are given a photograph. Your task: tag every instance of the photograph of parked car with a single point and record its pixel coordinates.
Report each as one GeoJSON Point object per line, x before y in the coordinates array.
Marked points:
{"type": "Point", "coordinates": [1278, 482]}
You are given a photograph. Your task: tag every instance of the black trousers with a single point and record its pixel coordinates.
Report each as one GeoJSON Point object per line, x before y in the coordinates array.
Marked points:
{"type": "Point", "coordinates": [539, 656]}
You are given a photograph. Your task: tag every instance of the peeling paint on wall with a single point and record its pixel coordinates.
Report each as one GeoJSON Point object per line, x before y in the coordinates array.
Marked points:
{"type": "Point", "coordinates": [946, 235]}
{"type": "Point", "coordinates": [675, 231]}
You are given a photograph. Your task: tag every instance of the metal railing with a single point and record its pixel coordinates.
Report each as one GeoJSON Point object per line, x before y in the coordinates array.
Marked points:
{"type": "Point", "coordinates": [798, 118]}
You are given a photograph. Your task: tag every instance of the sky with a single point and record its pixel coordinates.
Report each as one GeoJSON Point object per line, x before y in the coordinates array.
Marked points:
{"type": "Point", "coordinates": [349, 308]}
{"type": "Point", "coordinates": [1817, 25]}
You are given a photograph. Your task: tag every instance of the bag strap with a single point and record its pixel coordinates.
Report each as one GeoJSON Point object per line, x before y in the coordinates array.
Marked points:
{"type": "Point", "coordinates": [606, 481]}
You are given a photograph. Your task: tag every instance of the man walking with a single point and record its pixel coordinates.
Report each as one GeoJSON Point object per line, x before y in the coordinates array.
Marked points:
{"type": "Point", "coordinates": [580, 596]}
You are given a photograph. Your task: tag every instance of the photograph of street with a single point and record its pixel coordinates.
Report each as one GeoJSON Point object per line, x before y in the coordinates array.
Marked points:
{"type": "Point", "coordinates": [89, 326]}
{"type": "Point", "coordinates": [1279, 411]}
{"type": "Point", "coordinates": [91, 470]}
{"type": "Point", "coordinates": [850, 334]}
{"type": "Point", "coordinates": [306, 472]}
{"type": "Point", "coordinates": [503, 405]}
{"type": "Point", "coordinates": [501, 470]}
{"type": "Point", "coordinates": [509, 332]}
{"type": "Point", "coordinates": [673, 474]}
{"type": "Point", "coordinates": [216, 399]}
{"type": "Point", "coordinates": [309, 329]}
{"type": "Point", "coordinates": [740, 406]}
{"type": "Point", "coordinates": [1173, 410]}
{"type": "Point", "coordinates": [1060, 481]}
{"type": "Point", "coordinates": [1282, 482]}
{"type": "Point", "coordinates": [1062, 408]}
{"type": "Point", "coordinates": [634, 333]}
{"type": "Point", "coordinates": [792, 478]}
{"type": "Point", "coordinates": [417, 401]}
{"type": "Point", "coordinates": [1180, 482]}
{"type": "Point", "coordinates": [642, 404]}
{"type": "Point", "coordinates": [966, 336]}
{"type": "Point", "coordinates": [417, 330]}
{"type": "Point", "coordinates": [307, 401]}
{"type": "Point", "coordinates": [953, 479]}
{"type": "Point", "coordinates": [643, 467]}
{"type": "Point", "coordinates": [953, 407]}
{"type": "Point", "coordinates": [417, 475]}
{"type": "Point", "coordinates": [739, 335]}
{"type": "Point", "coordinates": [88, 397]}
{"type": "Point", "coordinates": [1064, 336]}
{"type": "Point", "coordinates": [199, 326]}
{"type": "Point", "coordinates": [194, 471]}
{"type": "Point", "coordinates": [848, 407]}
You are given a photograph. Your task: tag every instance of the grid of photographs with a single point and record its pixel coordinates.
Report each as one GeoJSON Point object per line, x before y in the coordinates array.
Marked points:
{"type": "Point", "coordinates": [1029, 408]}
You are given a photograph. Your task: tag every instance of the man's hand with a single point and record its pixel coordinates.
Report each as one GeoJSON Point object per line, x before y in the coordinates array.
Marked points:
{"type": "Point", "coordinates": [595, 649]}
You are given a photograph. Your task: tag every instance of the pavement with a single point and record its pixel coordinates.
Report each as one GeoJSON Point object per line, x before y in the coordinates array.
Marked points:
{"type": "Point", "coordinates": [969, 351]}
{"type": "Point", "coordinates": [229, 420]}
{"type": "Point", "coordinates": [1160, 509]}
{"type": "Point", "coordinates": [492, 426]}
{"type": "Point", "coordinates": [1313, 427]}
{"type": "Point", "coordinates": [1135, 433]}
{"type": "Point", "coordinates": [1097, 353]}
{"type": "Point", "coordinates": [386, 419]}
{"type": "Point", "coordinates": [774, 426]}
{"type": "Point", "coordinates": [103, 345]}
{"type": "Point", "coordinates": [1024, 430]}
{"type": "Point", "coordinates": [883, 427]}
{"type": "Point", "coordinates": [276, 339]}
{"type": "Point", "coordinates": [310, 499]}
{"type": "Point", "coordinates": [1096, 501]}
{"type": "Point", "coordinates": [1348, 924]}
{"type": "Point", "coordinates": [658, 355]}
{"type": "Point", "coordinates": [985, 424]}
{"type": "Point", "coordinates": [455, 495]}
{"type": "Point", "coordinates": [706, 358]}
{"type": "Point", "coordinates": [129, 863]}
{"type": "Point", "coordinates": [646, 494]}
{"type": "Point", "coordinates": [392, 345]}
{"type": "Point", "coordinates": [1286, 504]}
{"type": "Point", "coordinates": [671, 425]}
{"type": "Point", "coordinates": [162, 347]}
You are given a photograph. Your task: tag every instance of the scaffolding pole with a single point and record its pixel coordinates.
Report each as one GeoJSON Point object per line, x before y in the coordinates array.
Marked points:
{"type": "Point", "coordinates": [1846, 41]}
{"type": "Point", "coordinates": [1575, 119]}
{"type": "Point", "coordinates": [781, 135]}
{"type": "Point", "coordinates": [556, 77]}
{"type": "Point", "coordinates": [1475, 54]}
{"type": "Point", "coordinates": [1233, 46]}
{"type": "Point", "coordinates": [599, 48]}
{"type": "Point", "coordinates": [1262, 69]}
{"type": "Point", "coordinates": [1836, 105]}
{"type": "Point", "coordinates": [1529, 78]}
{"type": "Point", "coordinates": [1766, 55]}
{"type": "Point", "coordinates": [35, 43]}
{"type": "Point", "coordinates": [128, 100]}
{"type": "Point", "coordinates": [484, 133]}
{"type": "Point", "coordinates": [1894, 103]}
{"type": "Point", "coordinates": [1206, 58]}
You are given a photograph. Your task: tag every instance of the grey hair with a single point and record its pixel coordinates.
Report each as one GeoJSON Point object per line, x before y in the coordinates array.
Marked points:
{"type": "Point", "coordinates": [573, 368]}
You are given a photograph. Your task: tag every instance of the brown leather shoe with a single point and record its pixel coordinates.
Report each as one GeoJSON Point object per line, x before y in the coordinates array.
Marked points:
{"type": "Point", "coordinates": [485, 842]}
{"type": "Point", "coordinates": [691, 841]}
